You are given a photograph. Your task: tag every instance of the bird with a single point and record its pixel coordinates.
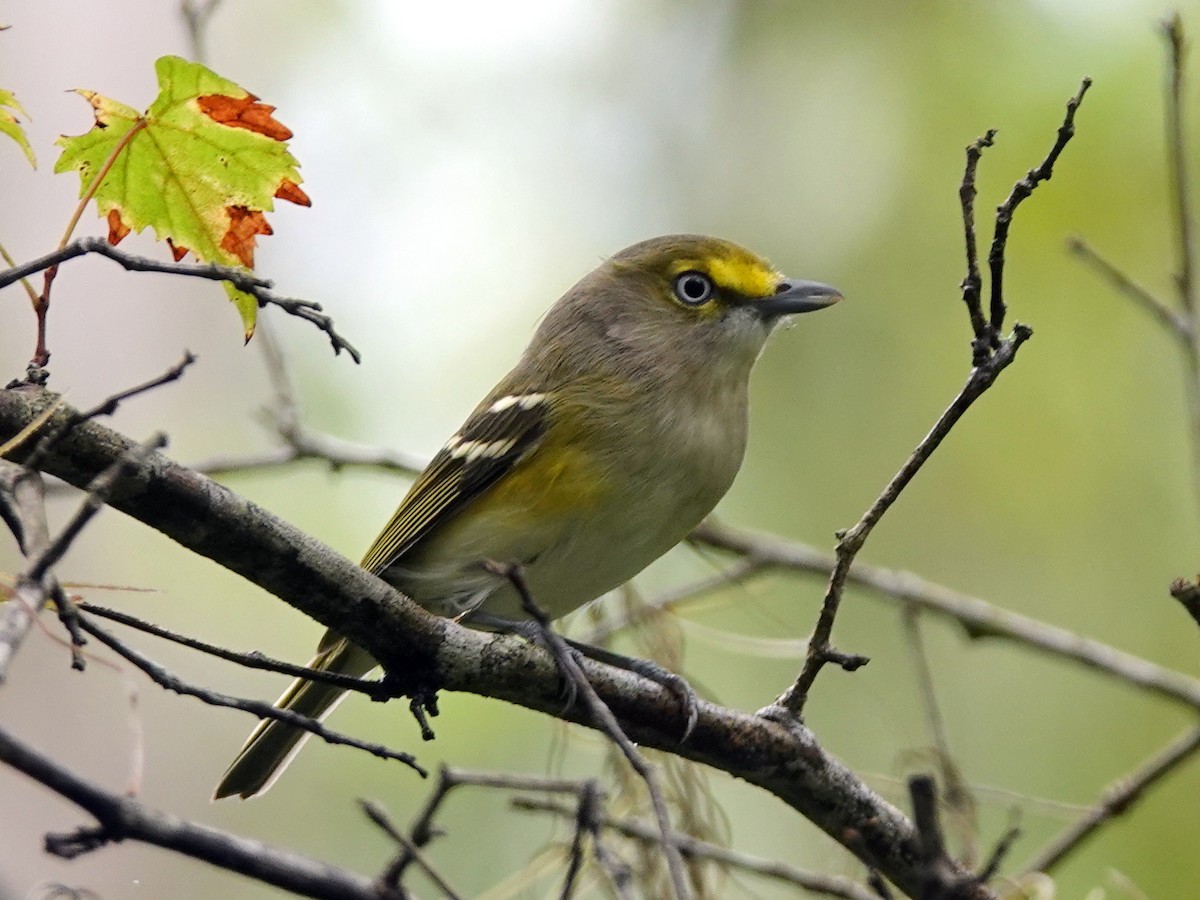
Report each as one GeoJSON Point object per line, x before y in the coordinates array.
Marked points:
{"type": "Point", "coordinates": [619, 429]}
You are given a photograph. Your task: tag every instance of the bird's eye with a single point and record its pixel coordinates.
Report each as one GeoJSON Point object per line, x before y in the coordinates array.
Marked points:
{"type": "Point", "coordinates": [693, 288]}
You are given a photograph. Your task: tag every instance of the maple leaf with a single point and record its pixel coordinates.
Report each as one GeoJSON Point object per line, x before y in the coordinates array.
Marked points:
{"type": "Point", "coordinates": [200, 167]}
{"type": "Point", "coordinates": [11, 125]}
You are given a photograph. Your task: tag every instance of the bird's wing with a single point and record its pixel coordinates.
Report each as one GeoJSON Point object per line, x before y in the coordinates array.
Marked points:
{"type": "Point", "coordinates": [497, 436]}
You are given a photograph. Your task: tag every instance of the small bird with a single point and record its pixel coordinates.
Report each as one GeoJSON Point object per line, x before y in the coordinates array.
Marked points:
{"type": "Point", "coordinates": [619, 429]}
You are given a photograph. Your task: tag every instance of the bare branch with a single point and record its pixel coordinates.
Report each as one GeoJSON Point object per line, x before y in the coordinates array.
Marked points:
{"type": "Point", "coordinates": [302, 443]}
{"type": "Point", "coordinates": [374, 688]}
{"type": "Point", "coordinates": [1188, 594]}
{"type": "Point", "coordinates": [1021, 190]}
{"type": "Point", "coordinates": [978, 618]}
{"type": "Point", "coordinates": [243, 279]}
{"type": "Point", "coordinates": [945, 878]}
{"type": "Point", "coordinates": [820, 650]}
{"type": "Point", "coordinates": [171, 682]}
{"type": "Point", "coordinates": [959, 800]}
{"type": "Point", "coordinates": [1177, 164]}
{"type": "Point", "coordinates": [1119, 797]}
{"type": "Point", "coordinates": [694, 848]}
{"type": "Point", "coordinates": [23, 509]}
{"type": "Point", "coordinates": [602, 717]}
{"type": "Point", "coordinates": [1177, 325]}
{"type": "Point", "coordinates": [98, 491]}
{"type": "Point", "coordinates": [973, 282]}
{"type": "Point", "coordinates": [376, 814]}
{"type": "Point", "coordinates": [124, 818]}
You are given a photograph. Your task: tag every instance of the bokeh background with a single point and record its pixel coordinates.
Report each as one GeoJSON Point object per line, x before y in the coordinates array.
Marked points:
{"type": "Point", "coordinates": [468, 160]}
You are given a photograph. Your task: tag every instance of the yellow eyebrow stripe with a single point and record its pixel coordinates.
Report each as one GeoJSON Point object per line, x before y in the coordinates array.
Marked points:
{"type": "Point", "coordinates": [745, 276]}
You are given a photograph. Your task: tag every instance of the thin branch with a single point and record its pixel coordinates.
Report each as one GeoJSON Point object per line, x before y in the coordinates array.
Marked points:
{"type": "Point", "coordinates": [124, 818]}
{"type": "Point", "coordinates": [590, 818]}
{"type": "Point", "coordinates": [422, 830]}
{"type": "Point", "coordinates": [602, 717]}
{"type": "Point", "coordinates": [694, 848]}
{"type": "Point", "coordinates": [23, 504]}
{"type": "Point", "coordinates": [990, 360]}
{"type": "Point", "coordinates": [171, 682]}
{"type": "Point", "coordinates": [302, 443]}
{"type": "Point", "coordinates": [377, 815]}
{"type": "Point", "coordinates": [1184, 230]}
{"type": "Point", "coordinates": [1177, 164]}
{"type": "Point", "coordinates": [943, 874]}
{"type": "Point", "coordinates": [959, 800]}
{"type": "Point", "coordinates": [243, 279]}
{"type": "Point", "coordinates": [97, 497]}
{"type": "Point", "coordinates": [978, 618]}
{"type": "Point", "coordinates": [820, 650]}
{"type": "Point", "coordinates": [106, 407]}
{"type": "Point", "coordinates": [1021, 190]}
{"type": "Point", "coordinates": [1188, 594]}
{"type": "Point", "coordinates": [1176, 324]}
{"type": "Point", "coordinates": [1119, 797]}
{"type": "Point", "coordinates": [196, 14]}
{"type": "Point", "coordinates": [374, 688]}
{"type": "Point", "coordinates": [972, 283]}
{"type": "Point", "coordinates": [23, 508]}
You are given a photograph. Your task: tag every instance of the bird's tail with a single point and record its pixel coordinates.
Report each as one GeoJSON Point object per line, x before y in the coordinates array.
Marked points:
{"type": "Point", "coordinates": [272, 744]}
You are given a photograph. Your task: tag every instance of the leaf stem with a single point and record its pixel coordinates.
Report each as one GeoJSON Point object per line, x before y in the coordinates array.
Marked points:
{"type": "Point", "coordinates": [41, 305]}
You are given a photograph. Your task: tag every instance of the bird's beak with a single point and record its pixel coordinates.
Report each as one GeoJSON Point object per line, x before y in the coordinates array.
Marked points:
{"type": "Point", "coordinates": [793, 297]}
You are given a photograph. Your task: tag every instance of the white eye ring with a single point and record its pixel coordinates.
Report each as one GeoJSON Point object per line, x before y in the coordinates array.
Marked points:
{"type": "Point", "coordinates": [694, 288]}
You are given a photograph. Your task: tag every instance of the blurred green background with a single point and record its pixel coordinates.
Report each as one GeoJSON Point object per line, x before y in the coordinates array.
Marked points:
{"type": "Point", "coordinates": [467, 162]}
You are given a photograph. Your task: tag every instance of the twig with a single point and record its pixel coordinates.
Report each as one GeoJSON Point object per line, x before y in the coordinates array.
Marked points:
{"type": "Point", "coordinates": [374, 688]}
{"type": "Point", "coordinates": [972, 284]}
{"type": "Point", "coordinates": [1021, 190]}
{"type": "Point", "coordinates": [943, 874]}
{"type": "Point", "coordinates": [1188, 594]}
{"type": "Point", "coordinates": [422, 830]}
{"type": "Point", "coordinates": [589, 818]}
{"type": "Point", "coordinates": [243, 279]}
{"type": "Point", "coordinates": [976, 617]}
{"type": "Point", "coordinates": [585, 818]}
{"type": "Point", "coordinates": [1177, 164]}
{"type": "Point", "coordinates": [959, 799]}
{"type": "Point", "coordinates": [695, 848]}
{"type": "Point", "coordinates": [196, 14]}
{"type": "Point", "coordinates": [1181, 206]}
{"type": "Point", "coordinates": [302, 443]}
{"type": "Point", "coordinates": [602, 717]}
{"type": "Point", "coordinates": [1178, 325]}
{"type": "Point", "coordinates": [1119, 797]}
{"type": "Point", "coordinates": [106, 407]}
{"type": "Point", "coordinates": [376, 814]}
{"type": "Point", "coordinates": [23, 510]}
{"type": "Point", "coordinates": [23, 506]}
{"type": "Point", "coordinates": [171, 682]}
{"type": "Point", "coordinates": [124, 818]}
{"type": "Point", "coordinates": [989, 361]}
{"type": "Point", "coordinates": [820, 650]}
{"type": "Point", "coordinates": [999, 854]}
{"type": "Point", "coordinates": [97, 496]}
